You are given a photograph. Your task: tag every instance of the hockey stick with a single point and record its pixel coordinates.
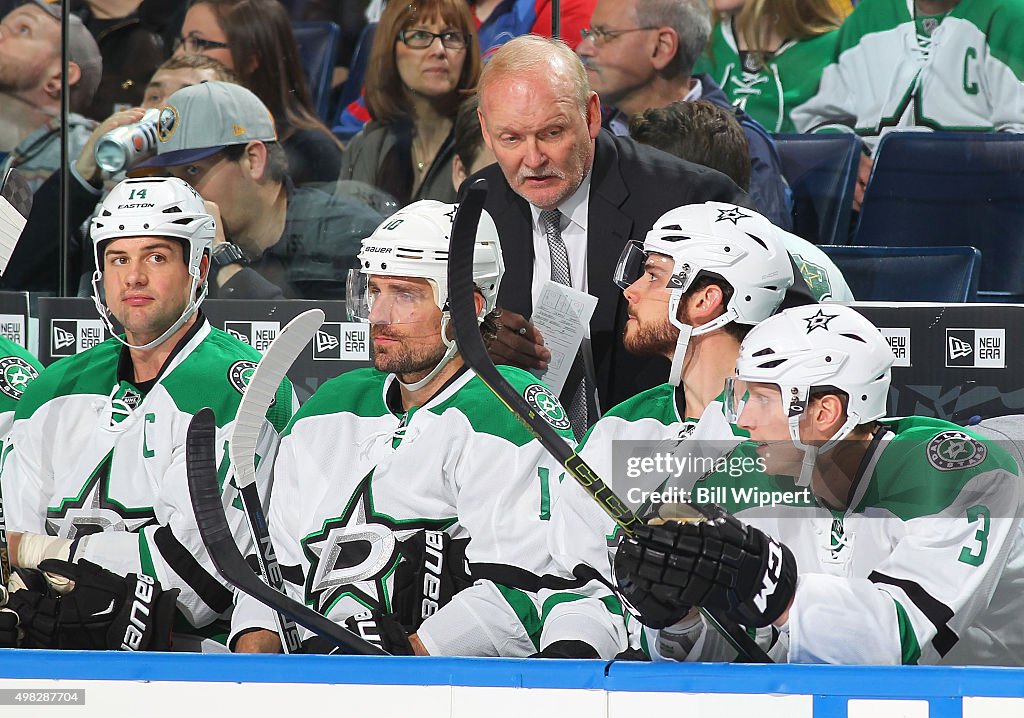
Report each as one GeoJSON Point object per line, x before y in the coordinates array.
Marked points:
{"type": "Point", "coordinates": [201, 466]}
{"type": "Point", "coordinates": [462, 305]}
{"type": "Point", "coordinates": [249, 421]}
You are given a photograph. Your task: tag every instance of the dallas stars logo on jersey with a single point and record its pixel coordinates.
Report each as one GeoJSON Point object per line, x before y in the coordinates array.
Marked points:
{"type": "Point", "coordinates": [15, 374]}
{"type": "Point", "coordinates": [546, 404]}
{"type": "Point", "coordinates": [356, 554]}
{"type": "Point", "coordinates": [955, 450]}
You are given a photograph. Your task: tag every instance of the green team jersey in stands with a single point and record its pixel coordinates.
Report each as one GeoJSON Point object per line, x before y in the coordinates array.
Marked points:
{"type": "Point", "coordinates": [583, 538]}
{"type": "Point", "coordinates": [927, 566]}
{"type": "Point", "coordinates": [895, 69]}
{"type": "Point", "coordinates": [17, 368]}
{"type": "Point", "coordinates": [356, 474]}
{"type": "Point", "coordinates": [94, 458]}
{"type": "Point", "coordinates": [768, 90]}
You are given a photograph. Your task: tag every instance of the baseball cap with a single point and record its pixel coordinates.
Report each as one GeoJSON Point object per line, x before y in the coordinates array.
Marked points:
{"type": "Point", "coordinates": [82, 50]}
{"type": "Point", "coordinates": [201, 120]}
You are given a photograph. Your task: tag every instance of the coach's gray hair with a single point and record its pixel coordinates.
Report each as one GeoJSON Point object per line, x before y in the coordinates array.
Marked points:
{"type": "Point", "coordinates": [691, 19]}
{"type": "Point", "coordinates": [528, 53]}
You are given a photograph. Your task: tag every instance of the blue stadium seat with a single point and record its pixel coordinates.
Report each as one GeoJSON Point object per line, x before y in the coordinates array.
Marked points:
{"type": "Point", "coordinates": [909, 274]}
{"type": "Point", "coordinates": [822, 172]}
{"type": "Point", "coordinates": [353, 86]}
{"type": "Point", "coordinates": [318, 46]}
{"type": "Point", "coordinates": [952, 188]}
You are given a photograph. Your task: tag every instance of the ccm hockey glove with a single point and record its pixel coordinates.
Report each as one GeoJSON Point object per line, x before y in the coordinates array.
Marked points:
{"type": "Point", "coordinates": [8, 628]}
{"type": "Point", "coordinates": [433, 569]}
{"type": "Point", "coordinates": [717, 563]}
{"type": "Point", "coordinates": [103, 611]}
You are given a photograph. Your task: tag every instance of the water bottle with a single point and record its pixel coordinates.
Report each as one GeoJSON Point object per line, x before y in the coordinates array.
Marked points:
{"type": "Point", "coordinates": [124, 147]}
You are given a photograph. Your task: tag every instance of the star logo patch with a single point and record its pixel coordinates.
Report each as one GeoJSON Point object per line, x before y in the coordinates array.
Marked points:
{"type": "Point", "coordinates": [732, 214]}
{"type": "Point", "coordinates": [819, 321]}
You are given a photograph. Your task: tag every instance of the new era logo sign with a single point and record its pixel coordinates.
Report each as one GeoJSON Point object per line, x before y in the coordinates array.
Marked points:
{"type": "Point", "coordinates": [899, 342]}
{"type": "Point", "coordinates": [13, 327]}
{"type": "Point", "coordinates": [979, 348]}
{"type": "Point", "coordinates": [258, 335]}
{"type": "Point", "coordinates": [342, 341]}
{"type": "Point", "coordinates": [70, 336]}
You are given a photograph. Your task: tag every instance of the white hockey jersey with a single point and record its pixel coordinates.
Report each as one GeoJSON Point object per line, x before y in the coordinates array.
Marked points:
{"type": "Point", "coordinates": [926, 566]}
{"type": "Point", "coordinates": [893, 69]}
{"type": "Point", "coordinates": [355, 475]}
{"type": "Point", "coordinates": [92, 459]}
{"type": "Point", "coordinates": [17, 369]}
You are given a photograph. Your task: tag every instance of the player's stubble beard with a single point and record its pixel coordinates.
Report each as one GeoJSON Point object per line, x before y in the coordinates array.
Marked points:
{"type": "Point", "coordinates": [651, 340]}
{"type": "Point", "coordinates": [405, 358]}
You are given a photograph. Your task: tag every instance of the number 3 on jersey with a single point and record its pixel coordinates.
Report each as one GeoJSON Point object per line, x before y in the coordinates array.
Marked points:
{"type": "Point", "coordinates": [975, 555]}
{"type": "Point", "coordinates": [545, 491]}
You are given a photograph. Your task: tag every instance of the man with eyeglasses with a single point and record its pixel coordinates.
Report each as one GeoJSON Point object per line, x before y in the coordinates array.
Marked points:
{"type": "Point", "coordinates": [566, 197]}
{"type": "Point", "coordinates": [278, 240]}
{"type": "Point", "coordinates": [640, 54]}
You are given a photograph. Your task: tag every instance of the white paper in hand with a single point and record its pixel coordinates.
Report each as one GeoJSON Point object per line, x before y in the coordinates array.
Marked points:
{"type": "Point", "coordinates": [562, 314]}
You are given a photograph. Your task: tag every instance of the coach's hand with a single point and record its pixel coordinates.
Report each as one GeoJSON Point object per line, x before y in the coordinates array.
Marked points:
{"type": "Point", "coordinates": [719, 564]}
{"type": "Point", "coordinates": [519, 343]}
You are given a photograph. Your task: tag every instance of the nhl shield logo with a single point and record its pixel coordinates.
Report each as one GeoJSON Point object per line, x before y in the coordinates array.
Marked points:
{"type": "Point", "coordinates": [546, 404]}
{"type": "Point", "coordinates": [955, 450]}
{"type": "Point", "coordinates": [15, 374]}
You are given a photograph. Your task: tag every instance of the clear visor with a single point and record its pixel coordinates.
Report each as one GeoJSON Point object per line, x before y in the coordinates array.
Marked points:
{"type": "Point", "coordinates": [388, 301]}
{"type": "Point", "coordinates": [734, 398]}
{"type": "Point", "coordinates": [658, 270]}
{"type": "Point", "coordinates": [630, 265]}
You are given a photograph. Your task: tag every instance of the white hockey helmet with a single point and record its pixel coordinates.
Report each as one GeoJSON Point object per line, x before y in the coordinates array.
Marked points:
{"type": "Point", "coordinates": [734, 243]}
{"type": "Point", "coordinates": [157, 207]}
{"type": "Point", "coordinates": [413, 242]}
{"type": "Point", "coordinates": [814, 347]}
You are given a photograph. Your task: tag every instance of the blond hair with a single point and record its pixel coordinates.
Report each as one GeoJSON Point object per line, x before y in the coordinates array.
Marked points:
{"type": "Point", "coordinates": [792, 19]}
{"type": "Point", "coordinates": [535, 53]}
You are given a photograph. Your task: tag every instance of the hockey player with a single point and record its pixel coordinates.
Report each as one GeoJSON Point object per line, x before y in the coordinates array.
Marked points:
{"type": "Point", "coordinates": [702, 277]}
{"type": "Point", "coordinates": [385, 472]}
{"type": "Point", "coordinates": [930, 64]}
{"type": "Point", "coordinates": [911, 551]}
{"type": "Point", "coordinates": [94, 474]}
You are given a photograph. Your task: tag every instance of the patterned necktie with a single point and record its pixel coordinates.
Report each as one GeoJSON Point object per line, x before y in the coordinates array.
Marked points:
{"type": "Point", "coordinates": [551, 219]}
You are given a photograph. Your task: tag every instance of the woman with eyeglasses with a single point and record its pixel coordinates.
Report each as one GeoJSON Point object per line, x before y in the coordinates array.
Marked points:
{"type": "Point", "coordinates": [424, 60]}
{"type": "Point", "coordinates": [768, 55]}
{"type": "Point", "coordinates": [254, 38]}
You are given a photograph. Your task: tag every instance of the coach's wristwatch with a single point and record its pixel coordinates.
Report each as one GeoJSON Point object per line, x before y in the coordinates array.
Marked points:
{"type": "Point", "coordinates": [226, 253]}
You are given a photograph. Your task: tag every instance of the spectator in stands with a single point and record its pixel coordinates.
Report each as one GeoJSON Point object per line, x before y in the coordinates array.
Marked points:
{"type": "Point", "coordinates": [129, 34]}
{"type": "Point", "coordinates": [641, 53]}
{"type": "Point", "coordinates": [30, 88]}
{"type": "Point", "coordinates": [928, 64]}
{"type": "Point", "coordinates": [471, 154]}
{"type": "Point", "coordinates": [424, 59]}
{"type": "Point", "coordinates": [498, 21]}
{"type": "Point", "coordinates": [33, 266]}
{"type": "Point", "coordinates": [273, 239]}
{"type": "Point", "coordinates": [255, 39]}
{"type": "Point", "coordinates": [709, 135]}
{"type": "Point", "coordinates": [767, 55]}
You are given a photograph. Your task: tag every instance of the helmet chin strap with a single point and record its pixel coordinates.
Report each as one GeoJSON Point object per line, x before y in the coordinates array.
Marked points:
{"type": "Point", "coordinates": [675, 372]}
{"type": "Point", "coordinates": [186, 313]}
{"type": "Point", "coordinates": [811, 452]}
{"type": "Point", "coordinates": [450, 350]}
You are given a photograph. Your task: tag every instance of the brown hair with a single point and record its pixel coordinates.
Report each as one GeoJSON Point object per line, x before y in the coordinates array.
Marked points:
{"type": "Point", "coordinates": [793, 20]}
{"type": "Point", "coordinates": [260, 30]}
{"type": "Point", "coordinates": [699, 132]}
{"type": "Point", "coordinates": [385, 95]}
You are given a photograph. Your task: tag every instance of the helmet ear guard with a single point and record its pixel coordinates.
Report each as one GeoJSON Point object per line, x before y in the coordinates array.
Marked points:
{"type": "Point", "coordinates": [154, 207]}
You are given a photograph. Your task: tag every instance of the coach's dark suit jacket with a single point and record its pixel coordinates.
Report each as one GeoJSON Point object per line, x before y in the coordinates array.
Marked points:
{"type": "Point", "coordinates": [631, 186]}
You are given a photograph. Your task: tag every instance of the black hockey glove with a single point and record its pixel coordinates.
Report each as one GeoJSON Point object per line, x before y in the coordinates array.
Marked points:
{"type": "Point", "coordinates": [8, 628]}
{"type": "Point", "coordinates": [719, 563]}
{"type": "Point", "coordinates": [382, 630]}
{"type": "Point", "coordinates": [103, 611]}
{"type": "Point", "coordinates": [568, 649]}
{"type": "Point", "coordinates": [433, 569]}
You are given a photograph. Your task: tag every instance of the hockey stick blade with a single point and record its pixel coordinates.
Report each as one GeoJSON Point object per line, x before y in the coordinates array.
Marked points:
{"type": "Point", "coordinates": [201, 467]}
{"type": "Point", "coordinates": [250, 419]}
{"type": "Point", "coordinates": [471, 345]}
